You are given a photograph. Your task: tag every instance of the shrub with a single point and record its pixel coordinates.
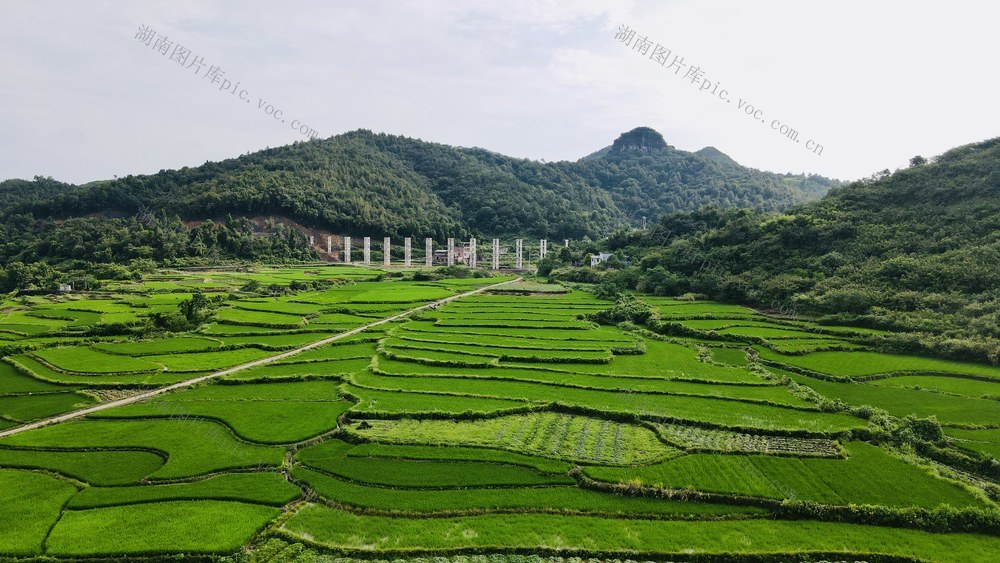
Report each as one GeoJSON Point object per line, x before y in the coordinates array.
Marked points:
{"type": "Point", "coordinates": [422, 275]}
{"type": "Point", "coordinates": [626, 309]}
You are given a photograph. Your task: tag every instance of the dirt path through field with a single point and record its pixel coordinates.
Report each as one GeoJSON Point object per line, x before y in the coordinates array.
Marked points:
{"type": "Point", "coordinates": [263, 361]}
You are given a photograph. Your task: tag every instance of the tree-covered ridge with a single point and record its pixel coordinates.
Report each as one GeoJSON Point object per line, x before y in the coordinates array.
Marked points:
{"type": "Point", "coordinates": [653, 184]}
{"type": "Point", "coordinates": [917, 249]}
{"type": "Point", "coordinates": [377, 184]}
{"type": "Point", "coordinates": [342, 184]}
{"type": "Point", "coordinates": [44, 253]}
{"type": "Point", "coordinates": [640, 139]}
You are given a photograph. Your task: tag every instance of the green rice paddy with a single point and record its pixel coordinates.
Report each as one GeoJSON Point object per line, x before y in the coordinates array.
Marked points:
{"type": "Point", "coordinates": [500, 422]}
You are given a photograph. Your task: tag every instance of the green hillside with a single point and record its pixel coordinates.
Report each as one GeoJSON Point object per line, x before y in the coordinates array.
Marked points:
{"type": "Point", "coordinates": [917, 249]}
{"type": "Point", "coordinates": [362, 183]}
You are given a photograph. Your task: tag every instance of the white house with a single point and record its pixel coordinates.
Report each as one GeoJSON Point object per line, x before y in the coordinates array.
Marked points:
{"type": "Point", "coordinates": [601, 258]}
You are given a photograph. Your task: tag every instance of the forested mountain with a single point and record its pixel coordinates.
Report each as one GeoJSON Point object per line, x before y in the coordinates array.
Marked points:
{"type": "Point", "coordinates": [647, 177]}
{"type": "Point", "coordinates": [361, 183]}
{"type": "Point", "coordinates": [918, 249]}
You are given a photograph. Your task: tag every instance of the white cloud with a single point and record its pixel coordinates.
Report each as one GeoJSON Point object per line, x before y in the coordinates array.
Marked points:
{"type": "Point", "coordinates": [875, 83]}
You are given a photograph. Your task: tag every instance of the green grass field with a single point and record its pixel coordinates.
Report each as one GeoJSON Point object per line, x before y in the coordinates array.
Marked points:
{"type": "Point", "coordinates": [520, 499]}
{"type": "Point", "coordinates": [377, 534]}
{"type": "Point", "coordinates": [258, 487]}
{"type": "Point", "coordinates": [163, 346]}
{"type": "Point", "coordinates": [424, 474]}
{"type": "Point", "coordinates": [97, 467]}
{"type": "Point", "coordinates": [985, 441]}
{"type": "Point", "coordinates": [32, 504]}
{"type": "Point", "coordinates": [949, 409]}
{"type": "Point", "coordinates": [854, 364]}
{"type": "Point", "coordinates": [192, 526]}
{"type": "Point", "coordinates": [82, 359]}
{"type": "Point", "coordinates": [29, 407]}
{"type": "Point", "coordinates": [193, 446]}
{"type": "Point", "coordinates": [867, 476]}
{"type": "Point", "coordinates": [497, 423]}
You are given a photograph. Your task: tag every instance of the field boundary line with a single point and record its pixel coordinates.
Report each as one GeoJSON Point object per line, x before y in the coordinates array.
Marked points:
{"type": "Point", "coordinates": [255, 363]}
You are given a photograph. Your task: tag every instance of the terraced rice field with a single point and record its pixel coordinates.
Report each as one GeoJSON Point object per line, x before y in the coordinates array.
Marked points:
{"type": "Point", "coordinates": [499, 422]}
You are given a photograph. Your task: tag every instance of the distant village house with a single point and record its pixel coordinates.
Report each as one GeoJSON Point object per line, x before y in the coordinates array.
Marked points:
{"type": "Point", "coordinates": [601, 258]}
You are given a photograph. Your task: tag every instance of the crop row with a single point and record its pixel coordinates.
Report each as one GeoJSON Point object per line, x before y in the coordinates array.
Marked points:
{"type": "Point", "coordinates": [457, 453]}
{"type": "Point", "coordinates": [868, 476]}
{"type": "Point", "coordinates": [516, 343]}
{"type": "Point", "coordinates": [855, 364]}
{"type": "Point", "coordinates": [547, 434]}
{"type": "Point", "coordinates": [419, 349]}
{"type": "Point", "coordinates": [193, 446]}
{"type": "Point", "coordinates": [601, 334]}
{"type": "Point", "coordinates": [523, 500]}
{"type": "Point", "coordinates": [259, 487]}
{"type": "Point", "coordinates": [425, 474]}
{"type": "Point", "coordinates": [773, 394]}
{"type": "Point", "coordinates": [607, 538]}
{"type": "Point", "coordinates": [709, 439]}
{"type": "Point", "coordinates": [948, 409]}
{"type": "Point", "coordinates": [708, 411]}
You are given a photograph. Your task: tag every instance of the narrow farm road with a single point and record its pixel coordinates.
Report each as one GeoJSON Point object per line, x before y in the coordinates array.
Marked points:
{"type": "Point", "coordinates": [263, 361]}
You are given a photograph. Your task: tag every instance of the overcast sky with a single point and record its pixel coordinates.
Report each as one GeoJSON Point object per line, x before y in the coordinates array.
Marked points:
{"type": "Point", "coordinates": [874, 83]}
